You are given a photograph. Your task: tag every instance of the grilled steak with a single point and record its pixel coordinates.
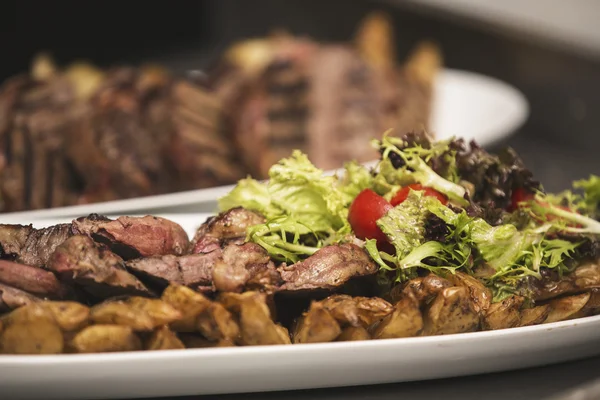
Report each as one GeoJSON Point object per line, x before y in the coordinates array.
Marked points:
{"type": "Point", "coordinates": [287, 93]}
{"type": "Point", "coordinates": [32, 279]}
{"type": "Point", "coordinates": [11, 298]}
{"type": "Point", "coordinates": [193, 270]}
{"type": "Point", "coordinates": [132, 237]}
{"type": "Point", "coordinates": [93, 267]}
{"type": "Point", "coordinates": [27, 245]}
{"type": "Point", "coordinates": [82, 135]}
{"type": "Point", "coordinates": [227, 227]}
{"type": "Point", "coordinates": [329, 268]}
{"type": "Point", "coordinates": [233, 269]}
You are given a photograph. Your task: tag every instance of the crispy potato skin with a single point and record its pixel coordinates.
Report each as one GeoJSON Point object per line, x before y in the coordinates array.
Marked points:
{"type": "Point", "coordinates": [405, 320]}
{"type": "Point", "coordinates": [106, 338]}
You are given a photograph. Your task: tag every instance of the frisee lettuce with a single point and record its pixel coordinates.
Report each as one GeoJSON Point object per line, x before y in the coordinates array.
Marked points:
{"type": "Point", "coordinates": [415, 169]}
{"type": "Point", "coordinates": [304, 208]}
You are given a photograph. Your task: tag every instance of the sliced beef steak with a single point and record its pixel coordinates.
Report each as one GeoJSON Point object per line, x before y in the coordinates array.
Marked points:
{"type": "Point", "coordinates": [233, 269]}
{"type": "Point", "coordinates": [32, 279]}
{"type": "Point", "coordinates": [227, 227]}
{"type": "Point", "coordinates": [94, 268]}
{"type": "Point", "coordinates": [194, 270]}
{"type": "Point", "coordinates": [329, 268]}
{"type": "Point", "coordinates": [27, 245]}
{"type": "Point", "coordinates": [133, 237]}
{"type": "Point", "coordinates": [11, 298]}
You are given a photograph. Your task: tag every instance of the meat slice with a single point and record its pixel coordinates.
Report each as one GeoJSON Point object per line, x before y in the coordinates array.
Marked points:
{"type": "Point", "coordinates": [27, 245]}
{"type": "Point", "coordinates": [32, 279]}
{"type": "Point", "coordinates": [194, 270]}
{"type": "Point", "coordinates": [226, 227]}
{"type": "Point", "coordinates": [240, 264]}
{"type": "Point", "coordinates": [93, 267]}
{"type": "Point", "coordinates": [233, 269]}
{"type": "Point", "coordinates": [11, 298]}
{"type": "Point", "coordinates": [329, 268]}
{"type": "Point", "coordinates": [133, 237]}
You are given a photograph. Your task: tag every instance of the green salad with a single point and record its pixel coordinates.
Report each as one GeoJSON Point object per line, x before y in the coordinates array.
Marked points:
{"type": "Point", "coordinates": [428, 206]}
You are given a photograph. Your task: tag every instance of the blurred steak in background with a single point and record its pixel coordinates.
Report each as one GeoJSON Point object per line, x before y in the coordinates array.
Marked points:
{"type": "Point", "coordinates": [84, 135]}
{"type": "Point", "coordinates": [288, 92]}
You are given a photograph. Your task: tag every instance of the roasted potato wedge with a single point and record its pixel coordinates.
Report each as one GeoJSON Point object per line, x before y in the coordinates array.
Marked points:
{"type": "Point", "coordinates": [217, 323]}
{"type": "Point", "coordinates": [405, 321]}
{"type": "Point", "coordinates": [356, 311]}
{"type": "Point", "coordinates": [121, 313]}
{"type": "Point", "coordinates": [423, 289]}
{"type": "Point", "coordinates": [480, 295]}
{"type": "Point", "coordinates": [316, 325]}
{"type": "Point", "coordinates": [563, 308]}
{"type": "Point", "coordinates": [139, 313]}
{"type": "Point", "coordinates": [351, 333]}
{"type": "Point", "coordinates": [192, 341]}
{"type": "Point", "coordinates": [503, 314]}
{"type": "Point", "coordinates": [32, 337]}
{"type": "Point", "coordinates": [69, 315]}
{"type": "Point", "coordinates": [163, 339]}
{"type": "Point", "coordinates": [189, 303]}
{"type": "Point", "coordinates": [106, 338]}
{"type": "Point", "coordinates": [160, 312]}
{"type": "Point", "coordinates": [452, 311]}
{"type": "Point", "coordinates": [535, 315]}
{"type": "Point", "coordinates": [256, 325]}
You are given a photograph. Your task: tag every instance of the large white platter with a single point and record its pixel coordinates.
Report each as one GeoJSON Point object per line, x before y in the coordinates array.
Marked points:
{"type": "Point", "coordinates": [466, 104]}
{"type": "Point", "coordinates": [268, 368]}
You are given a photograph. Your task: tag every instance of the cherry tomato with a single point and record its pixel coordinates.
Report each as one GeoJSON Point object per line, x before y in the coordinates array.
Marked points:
{"type": "Point", "coordinates": [402, 194]}
{"type": "Point", "coordinates": [519, 195]}
{"type": "Point", "coordinates": [364, 212]}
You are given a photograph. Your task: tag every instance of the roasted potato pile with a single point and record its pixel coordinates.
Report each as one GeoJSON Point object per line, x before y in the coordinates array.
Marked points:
{"type": "Point", "coordinates": [183, 318]}
{"type": "Point", "coordinates": [432, 305]}
{"type": "Point", "coordinates": [180, 318]}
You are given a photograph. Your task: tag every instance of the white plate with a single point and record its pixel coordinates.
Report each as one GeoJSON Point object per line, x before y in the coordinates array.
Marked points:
{"type": "Point", "coordinates": [268, 368]}
{"type": "Point", "coordinates": [466, 104]}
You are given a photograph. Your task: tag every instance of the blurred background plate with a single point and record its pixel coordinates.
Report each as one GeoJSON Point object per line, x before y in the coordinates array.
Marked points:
{"type": "Point", "coordinates": [469, 105]}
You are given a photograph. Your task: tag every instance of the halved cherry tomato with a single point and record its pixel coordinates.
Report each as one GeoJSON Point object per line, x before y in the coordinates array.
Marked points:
{"type": "Point", "coordinates": [364, 212]}
{"type": "Point", "coordinates": [402, 194]}
{"type": "Point", "coordinates": [519, 195]}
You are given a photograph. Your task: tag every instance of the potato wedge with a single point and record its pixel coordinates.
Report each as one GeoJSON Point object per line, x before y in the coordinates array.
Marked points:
{"type": "Point", "coordinates": [33, 312]}
{"type": "Point", "coordinates": [32, 337]}
{"type": "Point", "coordinates": [192, 341]}
{"type": "Point", "coordinates": [535, 315]}
{"type": "Point", "coordinates": [160, 312]}
{"type": "Point", "coordinates": [451, 312]}
{"type": "Point", "coordinates": [189, 303]}
{"type": "Point", "coordinates": [480, 295]}
{"type": "Point", "coordinates": [503, 314]}
{"type": "Point", "coordinates": [69, 315]}
{"type": "Point", "coordinates": [356, 311]}
{"type": "Point", "coordinates": [351, 333]}
{"type": "Point", "coordinates": [217, 323]}
{"type": "Point", "coordinates": [423, 289]}
{"type": "Point", "coordinates": [121, 313]}
{"type": "Point", "coordinates": [563, 308]}
{"type": "Point", "coordinates": [163, 339]}
{"type": "Point", "coordinates": [316, 325]}
{"type": "Point", "coordinates": [139, 313]}
{"type": "Point", "coordinates": [256, 325]}
{"type": "Point", "coordinates": [106, 338]}
{"type": "Point", "coordinates": [405, 321]}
